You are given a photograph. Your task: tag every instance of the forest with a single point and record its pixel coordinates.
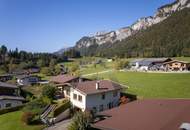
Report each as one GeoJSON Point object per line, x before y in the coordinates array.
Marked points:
{"type": "Point", "coordinates": [14, 60]}
{"type": "Point", "coordinates": [169, 38]}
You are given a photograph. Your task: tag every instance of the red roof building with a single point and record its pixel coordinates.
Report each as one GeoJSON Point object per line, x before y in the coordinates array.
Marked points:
{"type": "Point", "coordinates": [148, 114]}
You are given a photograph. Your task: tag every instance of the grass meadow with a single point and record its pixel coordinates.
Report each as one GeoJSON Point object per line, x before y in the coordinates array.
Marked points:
{"type": "Point", "coordinates": [152, 85]}
{"type": "Point", "coordinates": [12, 121]}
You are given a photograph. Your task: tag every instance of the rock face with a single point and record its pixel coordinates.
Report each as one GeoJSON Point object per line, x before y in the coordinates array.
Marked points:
{"type": "Point", "coordinates": [143, 23]}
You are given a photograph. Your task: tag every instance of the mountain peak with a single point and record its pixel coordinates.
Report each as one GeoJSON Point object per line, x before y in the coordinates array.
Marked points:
{"type": "Point", "coordinates": [143, 23]}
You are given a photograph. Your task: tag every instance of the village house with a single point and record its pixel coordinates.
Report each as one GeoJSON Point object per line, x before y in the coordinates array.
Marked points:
{"type": "Point", "coordinates": [95, 95]}
{"type": "Point", "coordinates": [147, 114]}
{"type": "Point", "coordinates": [63, 83]}
{"type": "Point", "coordinates": [176, 65]}
{"type": "Point", "coordinates": [159, 64]}
{"type": "Point", "coordinates": [85, 94]}
{"type": "Point", "coordinates": [9, 96]}
{"type": "Point", "coordinates": [149, 64]}
{"type": "Point", "coordinates": [27, 79]}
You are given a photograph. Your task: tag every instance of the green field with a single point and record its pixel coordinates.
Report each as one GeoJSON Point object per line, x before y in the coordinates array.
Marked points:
{"type": "Point", "coordinates": [95, 69]}
{"type": "Point", "coordinates": [182, 58]}
{"type": "Point", "coordinates": [152, 85]}
{"type": "Point", "coordinates": [12, 121]}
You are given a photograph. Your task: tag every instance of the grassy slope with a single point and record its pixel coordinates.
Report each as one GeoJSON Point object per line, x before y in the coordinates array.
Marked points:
{"type": "Point", "coordinates": [12, 121]}
{"type": "Point", "coordinates": [34, 89]}
{"type": "Point", "coordinates": [91, 69]}
{"type": "Point", "coordinates": [153, 85]}
{"type": "Point", "coordinates": [182, 58]}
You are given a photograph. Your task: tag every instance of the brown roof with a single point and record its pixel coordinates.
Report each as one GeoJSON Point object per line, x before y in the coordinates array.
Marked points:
{"type": "Point", "coordinates": [149, 114]}
{"type": "Point", "coordinates": [62, 78]}
{"type": "Point", "coordinates": [7, 85]}
{"type": "Point", "coordinates": [185, 62]}
{"type": "Point", "coordinates": [89, 87]}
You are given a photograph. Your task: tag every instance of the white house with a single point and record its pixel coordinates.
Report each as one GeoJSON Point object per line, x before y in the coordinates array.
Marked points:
{"type": "Point", "coordinates": [95, 95]}
{"type": "Point", "coordinates": [27, 79]}
{"type": "Point", "coordinates": [148, 64]}
{"type": "Point", "coordinates": [9, 96]}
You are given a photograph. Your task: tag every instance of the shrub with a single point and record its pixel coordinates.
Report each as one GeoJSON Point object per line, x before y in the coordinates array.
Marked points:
{"type": "Point", "coordinates": [48, 91]}
{"type": "Point", "coordinates": [121, 64]}
{"type": "Point", "coordinates": [35, 106]}
{"type": "Point", "coordinates": [27, 117]}
{"type": "Point", "coordinates": [47, 100]}
{"type": "Point", "coordinates": [59, 109]}
{"type": "Point", "coordinates": [80, 121]}
{"type": "Point", "coordinates": [46, 71]}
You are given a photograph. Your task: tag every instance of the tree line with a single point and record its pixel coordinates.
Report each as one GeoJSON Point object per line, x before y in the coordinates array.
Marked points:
{"type": "Point", "coordinates": [11, 60]}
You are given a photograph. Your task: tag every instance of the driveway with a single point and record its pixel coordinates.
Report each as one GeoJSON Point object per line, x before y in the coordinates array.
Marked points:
{"type": "Point", "coordinates": [60, 126]}
{"type": "Point", "coordinates": [102, 72]}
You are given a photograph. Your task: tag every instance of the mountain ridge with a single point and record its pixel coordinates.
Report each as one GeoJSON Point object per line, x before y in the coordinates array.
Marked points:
{"type": "Point", "coordinates": [161, 14]}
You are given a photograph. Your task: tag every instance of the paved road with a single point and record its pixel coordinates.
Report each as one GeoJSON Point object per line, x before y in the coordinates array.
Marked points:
{"type": "Point", "coordinates": [60, 126]}
{"type": "Point", "coordinates": [106, 71]}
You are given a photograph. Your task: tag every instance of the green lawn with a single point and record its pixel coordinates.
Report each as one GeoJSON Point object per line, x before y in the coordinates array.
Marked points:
{"type": "Point", "coordinates": [12, 121]}
{"type": "Point", "coordinates": [43, 76]}
{"type": "Point", "coordinates": [98, 68]}
{"type": "Point", "coordinates": [153, 85]}
{"type": "Point", "coordinates": [34, 89]}
{"type": "Point", "coordinates": [182, 58]}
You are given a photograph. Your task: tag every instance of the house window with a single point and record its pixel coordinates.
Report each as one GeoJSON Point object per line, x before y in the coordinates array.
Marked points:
{"type": "Point", "coordinates": [68, 92]}
{"type": "Point", "coordinates": [109, 105]}
{"type": "Point", "coordinates": [103, 96]}
{"type": "Point", "coordinates": [115, 94]}
{"type": "Point", "coordinates": [8, 105]}
{"type": "Point", "coordinates": [75, 96]}
{"type": "Point", "coordinates": [80, 98]}
{"type": "Point", "coordinates": [94, 109]}
{"type": "Point", "coordinates": [101, 108]}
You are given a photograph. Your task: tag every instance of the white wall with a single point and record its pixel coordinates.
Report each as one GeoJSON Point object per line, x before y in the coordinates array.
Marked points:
{"type": "Point", "coordinates": [94, 100]}
{"type": "Point", "coordinates": [14, 103]}
{"type": "Point", "coordinates": [77, 103]}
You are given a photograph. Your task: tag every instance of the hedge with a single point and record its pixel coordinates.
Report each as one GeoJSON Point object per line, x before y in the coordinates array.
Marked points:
{"type": "Point", "coordinates": [59, 109]}
{"type": "Point", "coordinates": [3, 111]}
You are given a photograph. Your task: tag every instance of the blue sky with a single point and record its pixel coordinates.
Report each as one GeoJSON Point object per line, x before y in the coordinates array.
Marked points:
{"type": "Point", "coordinates": [48, 25]}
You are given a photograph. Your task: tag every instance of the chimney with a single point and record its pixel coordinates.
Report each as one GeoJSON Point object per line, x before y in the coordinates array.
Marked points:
{"type": "Point", "coordinates": [97, 85]}
{"type": "Point", "coordinates": [80, 79]}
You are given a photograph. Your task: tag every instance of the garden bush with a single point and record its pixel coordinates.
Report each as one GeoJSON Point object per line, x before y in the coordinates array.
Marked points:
{"type": "Point", "coordinates": [27, 117]}
{"type": "Point", "coordinates": [35, 106]}
{"type": "Point", "coordinates": [48, 91]}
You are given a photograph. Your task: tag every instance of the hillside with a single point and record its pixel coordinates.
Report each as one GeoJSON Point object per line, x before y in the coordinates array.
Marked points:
{"type": "Point", "coordinates": [168, 38]}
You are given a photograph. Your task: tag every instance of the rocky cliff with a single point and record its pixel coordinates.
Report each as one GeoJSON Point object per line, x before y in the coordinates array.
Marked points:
{"type": "Point", "coordinates": [143, 23]}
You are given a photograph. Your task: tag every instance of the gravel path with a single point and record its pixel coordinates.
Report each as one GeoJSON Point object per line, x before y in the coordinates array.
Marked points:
{"type": "Point", "coordinates": [106, 71]}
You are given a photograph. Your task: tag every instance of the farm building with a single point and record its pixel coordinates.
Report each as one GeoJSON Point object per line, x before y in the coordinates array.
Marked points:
{"type": "Point", "coordinates": [149, 64]}
{"type": "Point", "coordinates": [176, 65]}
